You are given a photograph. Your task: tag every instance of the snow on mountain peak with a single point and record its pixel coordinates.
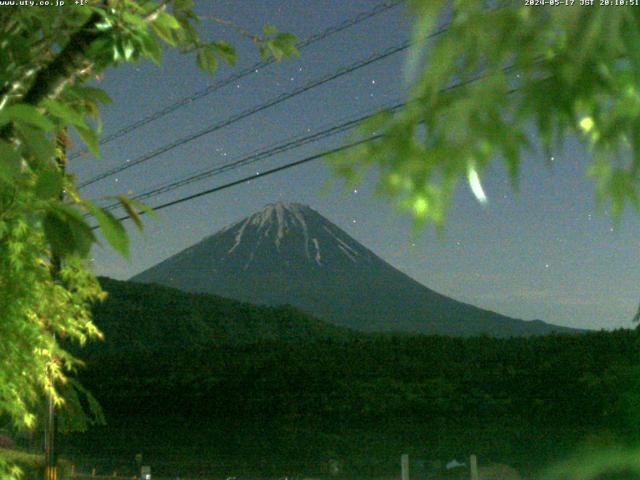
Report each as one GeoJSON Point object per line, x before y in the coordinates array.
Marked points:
{"type": "Point", "coordinates": [309, 230]}
{"type": "Point", "coordinates": [278, 218]}
{"type": "Point", "coordinates": [282, 217]}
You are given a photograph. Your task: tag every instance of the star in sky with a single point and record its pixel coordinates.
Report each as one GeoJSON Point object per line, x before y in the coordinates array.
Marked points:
{"type": "Point", "coordinates": [506, 232]}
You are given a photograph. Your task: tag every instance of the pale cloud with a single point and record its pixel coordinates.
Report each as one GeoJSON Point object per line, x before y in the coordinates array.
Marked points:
{"type": "Point", "coordinates": [487, 277]}
{"type": "Point", "coordinates": [455, 278]}
{"type": "Point", "coordinates": [552, 297]}
{"type": "Point", "coordinates": [521, 293]}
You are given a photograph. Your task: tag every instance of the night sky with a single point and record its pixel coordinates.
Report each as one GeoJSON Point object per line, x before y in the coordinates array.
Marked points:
{"type": "Point", "coordinates": [546, 252]}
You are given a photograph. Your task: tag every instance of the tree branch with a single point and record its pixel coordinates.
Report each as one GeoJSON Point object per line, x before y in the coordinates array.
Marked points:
{"type": "Point", "coordinates": [71, 60]}
{"type": "Point", "coordinates": [255, 38]}
{"type": "Point", "coordinates": [52, 79]}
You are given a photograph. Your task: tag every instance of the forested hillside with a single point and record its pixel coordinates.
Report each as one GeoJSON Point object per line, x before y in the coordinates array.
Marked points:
{"type": "Point", "coordinates": [152, 317]}
{"type": "Point", "coordinates": [305, 393]}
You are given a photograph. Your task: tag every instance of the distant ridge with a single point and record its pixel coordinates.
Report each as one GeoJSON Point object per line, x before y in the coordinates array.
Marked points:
{"type": "Point", "coordinates": [287, 253]}
{"type": "Point", "coordinates": [138, 318]}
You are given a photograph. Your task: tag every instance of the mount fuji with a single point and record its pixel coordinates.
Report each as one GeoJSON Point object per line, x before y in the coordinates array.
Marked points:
{"type": "Point", "coordinates": [288, 253]}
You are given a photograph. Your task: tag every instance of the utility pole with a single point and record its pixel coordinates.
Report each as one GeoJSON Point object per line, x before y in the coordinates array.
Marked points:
{"type": "Point", "coordinates": [404, 466]}
{"type": "Point", "coordinates": [50, 468]}
{"type": "Point", "coordinates": [473, 467]}
{"type": "Point", "coordinates": [51, 424]}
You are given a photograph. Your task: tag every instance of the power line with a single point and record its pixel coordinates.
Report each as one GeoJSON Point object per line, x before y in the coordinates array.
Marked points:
{"type": "Point", "coordinates": [251, 177]}
{"type": "Point", "coordinates": [263, 154]}
{"type": "Point", "coordinates": [256, 156]}
{"type": "Point", "coordinates": [272, 102]}
{"type": "Point", "coordinates": [293, 144]}
{"type": "Point", "coordinates": [252, 111]}
{"type": "Point", "coordinates": [309, 158]}
{"type": "Point", "coordinates": [184, 101]}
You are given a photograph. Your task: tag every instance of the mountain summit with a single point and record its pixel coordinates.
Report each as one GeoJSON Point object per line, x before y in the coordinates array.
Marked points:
{"type": "Point", "coordinates": [295, 233]}
{"type": "Point", "coordinates": [288, 253]}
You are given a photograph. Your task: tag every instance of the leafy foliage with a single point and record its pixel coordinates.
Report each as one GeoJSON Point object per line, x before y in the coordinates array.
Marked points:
{"type": "Point", "coordinates": [139, 317]}
{"type": "Point", "coordinates": [498, 71]}
{"type": "Point", "coordinates": [46, 285]}
{"type": "Point", "coordinates": [28, 464]}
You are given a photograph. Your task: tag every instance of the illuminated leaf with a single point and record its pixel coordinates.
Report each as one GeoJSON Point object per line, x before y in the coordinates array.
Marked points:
{"type": "Point", "coordinates": [26, 114]}
{"type": "Point", "coordinates": [476, 185]}
{"type": "Point", "coordinates": [112, 229]}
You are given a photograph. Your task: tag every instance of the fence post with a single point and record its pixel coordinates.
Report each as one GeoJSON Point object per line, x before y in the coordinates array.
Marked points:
{"type": "Point", "coordinates": [404, 466]}
{"type": "Point", "coordinates": [473, 467]}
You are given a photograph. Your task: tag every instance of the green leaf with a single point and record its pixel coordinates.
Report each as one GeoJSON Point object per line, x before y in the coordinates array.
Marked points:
{"type": "Point", "coordinates": [151, 48]}
{"type": "Point", "coordinates": [92, 93]}
{"type": "Point", "coordinates": [277, 53]}
{"type": "Point", "coordinates": [264, 51]}
{"type": "Point", "coordinates": [187, 35]}
{"type": "Point", "coordinates": [112, 229]}
{"type": "Point", "coordinates": [281, 46]}
{"type": "Point", "coordinates": [100, 50]}
{"type": "Point", "coordinates": [49, 184]}
{"type": "Point", "coordinates": [135, 20]}
{"type": "Point", "coordinates": [422, 27]}
{"type": "Point", "coordinates": [143, 207]}
{"type": "Point", "coordinates": [90, 138]}
{"type": "Point", "coordinates": [64, 113]}
{"type": "Point", "coordinates": [36, 143]}
{"type": "Point", "coordinates": [183, 5]}
{"type": "Point", "coordinates": [9, 162]}
{"type": "Point", "coordinates": [26, 114]}
{"type": "Point", "coordinates": [104, 25]}
{"type": "Point", "coordinates": [131, 211]}
{"type": "Point", "coordinates": [206, 59]}
{"type": "Point", "coordinates": [168, 21]}
{"type": "Point", "coordinates": [269, 29]}
{"type": "Point", "coordinates": [225, 51]}
{"type": "Point", "coordinates": [67, 232]}
{"type": "Point", "coordinates": [164, 33]}
{"type": "Point", "coordinates": [58, 233]}
{"type": "Point", "coordinates": [286, 42]}
{"type": "Point", "coordinates": [129, 51]}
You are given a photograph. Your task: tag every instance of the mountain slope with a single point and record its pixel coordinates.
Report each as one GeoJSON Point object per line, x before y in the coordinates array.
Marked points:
{"type": "Point", "coordinates": [290, 254]}
{"type": "Point", "coordinates": [139, 317]}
